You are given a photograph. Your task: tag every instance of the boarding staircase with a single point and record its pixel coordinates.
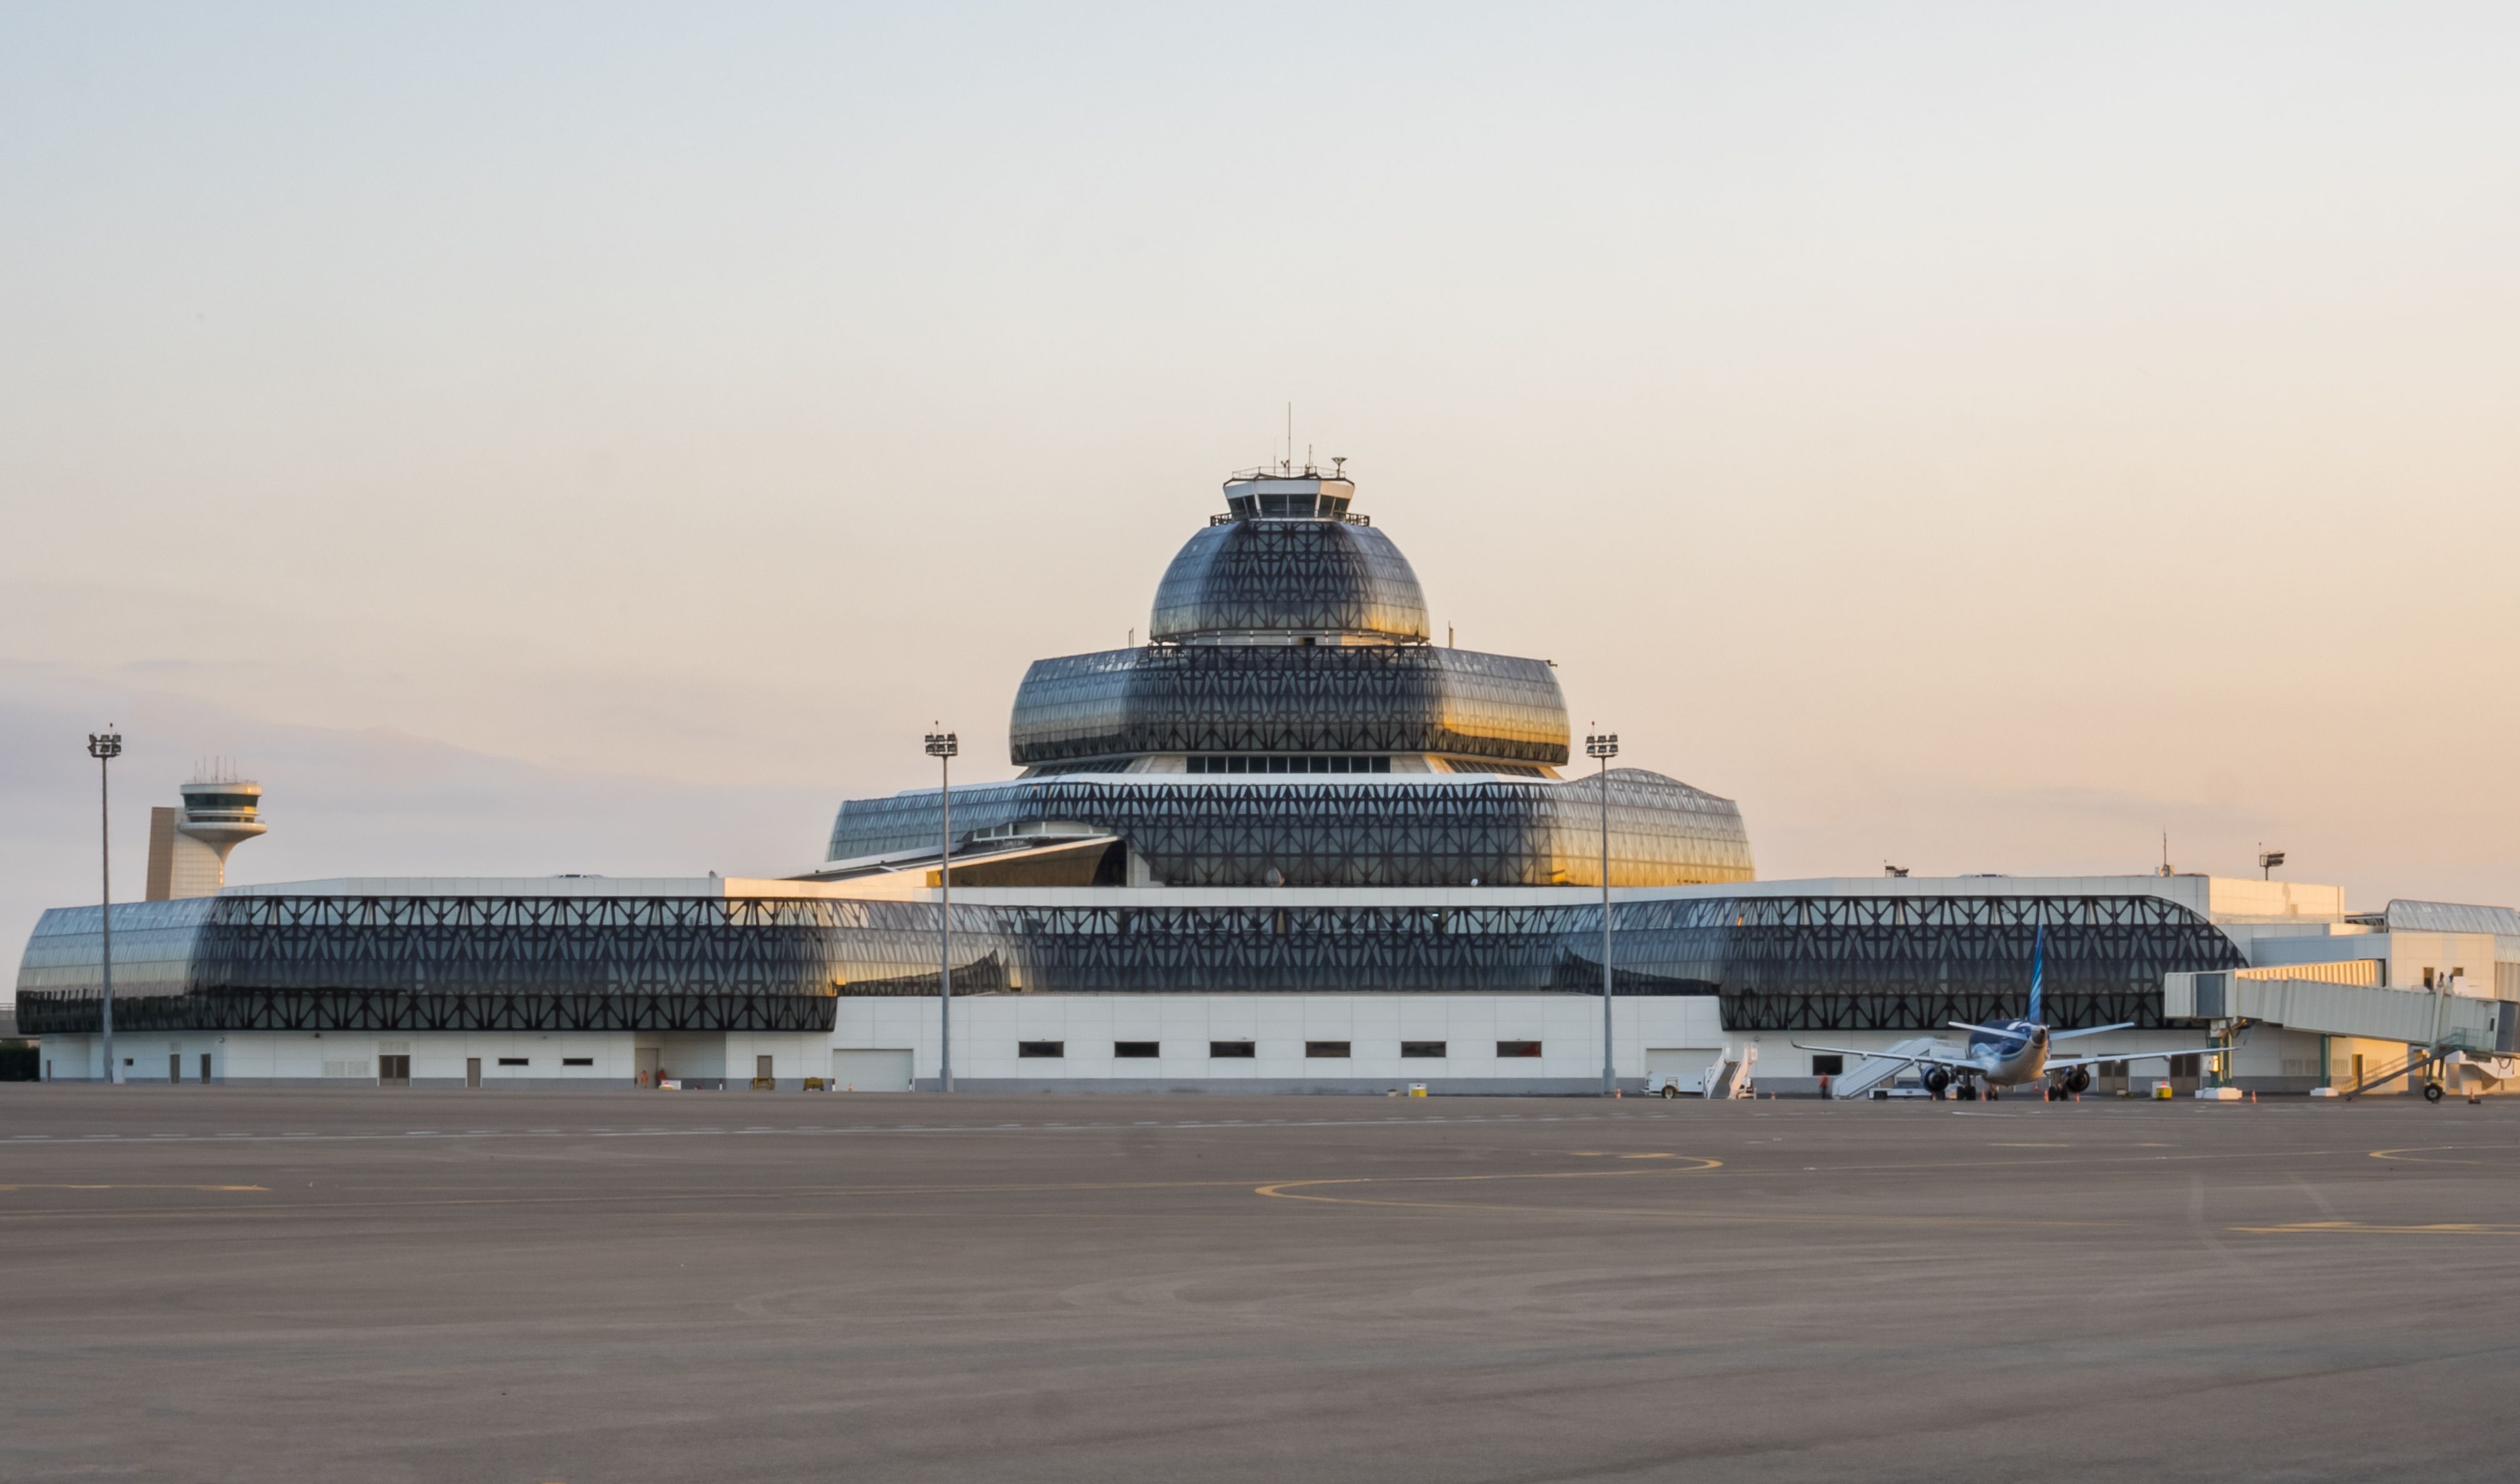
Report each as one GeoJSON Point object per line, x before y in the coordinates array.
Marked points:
{"type": "Point", "coordinates": [1877, 1071]}
{"type": "Point", "coordinates": [1728, 1076]}
{"type": "Point", "coordinates": [2418, 1061]}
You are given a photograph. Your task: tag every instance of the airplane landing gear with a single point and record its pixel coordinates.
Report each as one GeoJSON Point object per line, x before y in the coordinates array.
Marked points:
{"type": "Point", "coordinates": [2432, 1092]}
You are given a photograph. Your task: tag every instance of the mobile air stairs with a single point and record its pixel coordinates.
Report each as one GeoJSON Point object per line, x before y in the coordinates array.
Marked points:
{"type": "Point", "coordinates": [1859, 1080]}
{"type": "Point", "coordinates": [1727, 1076]}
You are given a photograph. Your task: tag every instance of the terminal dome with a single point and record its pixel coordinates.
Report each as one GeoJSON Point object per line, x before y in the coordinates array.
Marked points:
{"type": "Point", "coordinates": [1289, 562]}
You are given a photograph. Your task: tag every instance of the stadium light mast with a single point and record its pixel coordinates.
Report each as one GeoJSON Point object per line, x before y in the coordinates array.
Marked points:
{"type": "Point", "coordinates": [1604, 745]}
{"type": "Point", "coordinates": [105, 747]}
{"type": "Point", "coordinates": [942, 745]}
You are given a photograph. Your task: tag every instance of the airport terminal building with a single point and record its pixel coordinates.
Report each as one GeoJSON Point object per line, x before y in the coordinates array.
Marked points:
{"type": "Point", "coordinates": [1289, 844]}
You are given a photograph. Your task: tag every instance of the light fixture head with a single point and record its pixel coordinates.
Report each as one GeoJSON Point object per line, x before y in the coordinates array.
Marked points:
{"type": "Point", "coordinates": [1601, 744]}
{"type": "Point", "coordinates": [105, 744]}
{"type": "Point", "coordinates": [943, 744]}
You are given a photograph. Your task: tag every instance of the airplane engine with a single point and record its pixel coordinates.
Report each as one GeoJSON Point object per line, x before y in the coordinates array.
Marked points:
{"type": "Point", "coordinates": [2078, 1080]}
{"type": "Point", "coordinates": [1935, 1080]}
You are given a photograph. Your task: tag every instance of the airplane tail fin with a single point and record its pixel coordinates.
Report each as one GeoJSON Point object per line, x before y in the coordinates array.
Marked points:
{"type": "Point", "coordinates": [2038, 972]}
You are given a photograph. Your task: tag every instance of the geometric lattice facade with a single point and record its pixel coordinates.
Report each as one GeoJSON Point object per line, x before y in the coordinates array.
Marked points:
{"type": "Point", "coordinates": [1453, 832]}
{"type": "Point", "coordinates": [522, 962]}
{"type": "Point", "coordinates": [1321, 572]}
{"type": "Point", "coordinates": [1120, 704]}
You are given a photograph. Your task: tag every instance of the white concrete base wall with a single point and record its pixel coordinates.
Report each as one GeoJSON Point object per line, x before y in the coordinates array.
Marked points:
{"type": "Point", "coordinates": [349, 1058]}
{"type": "Point", "coordinates": [1653, 1034]}
{"type": "Point", "coordinates": [988, 1029]}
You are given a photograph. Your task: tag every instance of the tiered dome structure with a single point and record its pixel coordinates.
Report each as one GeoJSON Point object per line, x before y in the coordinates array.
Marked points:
{"type": "Point", "coordinates": [1289, 723]}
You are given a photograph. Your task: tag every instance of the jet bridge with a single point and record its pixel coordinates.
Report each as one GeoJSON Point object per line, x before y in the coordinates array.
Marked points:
{"type": "Point", "coordinates": [2444, 1026]}
{"type": "Point", "coordinates": [2442, 1017]}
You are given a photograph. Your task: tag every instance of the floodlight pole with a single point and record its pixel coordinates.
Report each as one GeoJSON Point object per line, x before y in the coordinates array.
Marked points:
{"type": "Point", "coordinates": [1604, 745]}
{"type": "Point", "coordinates": [105, 747]}
{"type": "Point", "coordinates": [942, 745]}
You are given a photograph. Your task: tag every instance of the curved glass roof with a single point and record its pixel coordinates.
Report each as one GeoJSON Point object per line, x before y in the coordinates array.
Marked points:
{"type": "Point", "coordinates": [1289, 562]}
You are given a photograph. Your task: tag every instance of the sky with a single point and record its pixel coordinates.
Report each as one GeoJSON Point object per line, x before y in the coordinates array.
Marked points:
{"type": "Point", "coordinates": [553, 437]}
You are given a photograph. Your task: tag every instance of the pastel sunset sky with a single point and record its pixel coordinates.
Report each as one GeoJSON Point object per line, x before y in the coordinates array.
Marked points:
{"type": "Point", "coordinates": [602, 437]}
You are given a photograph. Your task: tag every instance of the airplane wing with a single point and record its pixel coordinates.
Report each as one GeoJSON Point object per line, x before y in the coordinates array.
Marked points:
{"type": "Point", "coordinates": [2056, 1062]}
{"type": "Point", "coordinates": [2068, 1035]}
{"type": "Point", "coordinates": [1915, 1058]}
{"type": "Point", "coordinates": [1991, 1030]}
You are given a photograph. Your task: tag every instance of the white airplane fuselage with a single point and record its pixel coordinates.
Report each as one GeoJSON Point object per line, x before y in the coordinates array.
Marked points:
{"type": "Point", "coordinates": [2018, 1055]}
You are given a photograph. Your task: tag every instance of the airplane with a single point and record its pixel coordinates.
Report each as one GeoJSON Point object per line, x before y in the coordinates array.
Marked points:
{"type": "Point", "coordinates": [2016, 1052]}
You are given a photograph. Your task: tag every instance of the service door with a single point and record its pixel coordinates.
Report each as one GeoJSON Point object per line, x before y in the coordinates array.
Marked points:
{"type": "Point", "coordinates": [646, 1062]}
{"type": "Point", "coordinates": [176, 1066]}
{"type": "Point", "coordinates": [394, 1071]}
{"type": "Point", "coordinates": [870, 1071]}
{"type": "Point", "coordinates": [472, 1071]}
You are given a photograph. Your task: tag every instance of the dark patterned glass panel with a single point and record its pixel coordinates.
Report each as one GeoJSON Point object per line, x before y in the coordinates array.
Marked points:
{"type": "Point", "coordinates": [1414, 833]}
{"type": "Point", "coordinates": [1121, 703]}
{"type": "Point", "coordinates": [1311, 576]}
{"type": "Point", "coordinates": [1777, 963]}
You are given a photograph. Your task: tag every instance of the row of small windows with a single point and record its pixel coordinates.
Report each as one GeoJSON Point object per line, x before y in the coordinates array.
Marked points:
{"type": "Point", "coordinates": [1323, 1050]}
{"type": "Point", "coordinates": [222, 803]}
{"type": "Point", "coordinates": [1289, 764]}
{"type": "Point", "coordinates": [1302, 507]}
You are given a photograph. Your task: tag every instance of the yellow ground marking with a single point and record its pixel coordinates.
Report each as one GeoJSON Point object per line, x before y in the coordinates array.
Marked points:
{"type": "Point", "coordinates": [2030, 1146]}
{"type": "Point", "coordinates": [650, 1199]}
{"type": "Point", "coordinates": [1288, 1190]}
{"type": "Point", "coordinates": [1285, 1189]}
{"type": "Point", "coordinates": [2366, 1229]}
{"type": "Point", "coordinates": [27, 1187]}
{"type": "Point", "coordinates": [2411, 1150]}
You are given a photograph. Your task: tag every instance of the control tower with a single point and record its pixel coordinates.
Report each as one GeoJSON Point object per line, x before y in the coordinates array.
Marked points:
{"type": "Point", "coordinates": [189, 845]}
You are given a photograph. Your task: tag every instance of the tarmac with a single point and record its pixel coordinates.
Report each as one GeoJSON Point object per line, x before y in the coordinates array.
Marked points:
{"type": "Point", "coordinates": [216, 1283]}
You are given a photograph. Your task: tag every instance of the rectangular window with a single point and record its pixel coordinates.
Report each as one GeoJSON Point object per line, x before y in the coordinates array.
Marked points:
{"type": "Point", "coordinates": [511, 1061]}
{"type": "Point", "coordinates": [1517, 1048]}
{"type": "Point", "coordinates": [1041, 1049]}
{"type": "Point", "coordinates": [1318, 764]}
{"type": "Point", "coordinates": [1333, 1049]}
{"type": "Point", "coordinates": [1137, 1049]}
{"type": "Point", "coordinates": [1824, 1065]}
{"type": "Point", "coordinates": [1339, 765]}
{"type": "Point", "coordinates": [1238, 765]}
{"type": "Point", "coordinates": [1241, 1048]}
{"type": "Point", "coordinates": [1422, 1049]}
{"type": "Point", "coordinates": [1382, 765]}
{"type": "Point", "coordinates": [578, 1061]}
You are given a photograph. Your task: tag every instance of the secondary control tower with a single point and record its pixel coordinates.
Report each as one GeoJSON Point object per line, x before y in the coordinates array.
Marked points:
{"type": "Point", "coordinates": [189, 844]}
